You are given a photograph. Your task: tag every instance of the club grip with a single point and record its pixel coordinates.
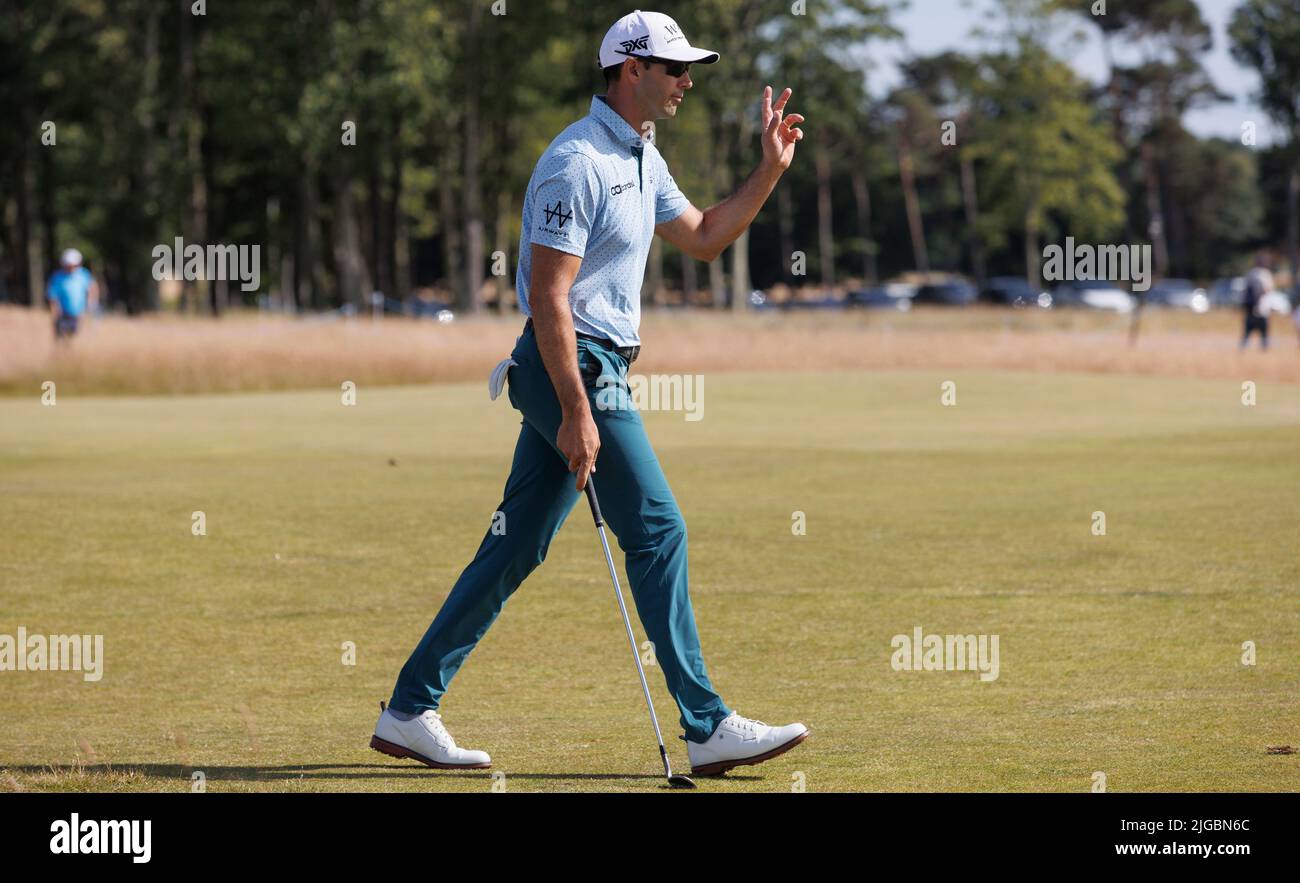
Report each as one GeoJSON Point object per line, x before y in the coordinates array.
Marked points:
{"type": "Point", "coordinates": [595, 505]}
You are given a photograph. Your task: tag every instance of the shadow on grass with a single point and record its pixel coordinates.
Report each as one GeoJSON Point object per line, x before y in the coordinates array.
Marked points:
{"type": "Point", "coordinates": [288, 772]}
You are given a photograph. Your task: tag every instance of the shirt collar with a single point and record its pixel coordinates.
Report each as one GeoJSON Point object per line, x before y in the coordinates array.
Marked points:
{"type": "Point", "coordinates": [622, 131]}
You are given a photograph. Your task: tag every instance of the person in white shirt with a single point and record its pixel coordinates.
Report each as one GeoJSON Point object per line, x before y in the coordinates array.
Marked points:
{"type": "Point", "coordinates": [1255, 306]}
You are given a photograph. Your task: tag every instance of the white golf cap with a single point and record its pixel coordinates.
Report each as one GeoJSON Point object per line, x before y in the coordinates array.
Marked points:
{"type": "Point", "coordinates": [71, 258]}
{"type": "Point", "coordinates": [645, 34]}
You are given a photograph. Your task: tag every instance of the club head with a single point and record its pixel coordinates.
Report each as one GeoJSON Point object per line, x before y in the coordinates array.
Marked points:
{"type": "Point", "coordinates": [679, 781]}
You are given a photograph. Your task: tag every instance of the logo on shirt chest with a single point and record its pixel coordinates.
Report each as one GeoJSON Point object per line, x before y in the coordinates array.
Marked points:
{"type": "Point", "coordinates": [556, 213]}
{"type": "Point", "coordinates": [621, 188]}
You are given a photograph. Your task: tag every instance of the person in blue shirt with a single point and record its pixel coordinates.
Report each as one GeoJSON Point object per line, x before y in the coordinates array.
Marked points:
{"type": "Point", "coordinates": [71, 291]}
{"type": "Point", "coordinates": [599, 194]}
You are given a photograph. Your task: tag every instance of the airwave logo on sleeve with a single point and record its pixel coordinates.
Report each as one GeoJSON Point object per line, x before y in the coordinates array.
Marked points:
{"type": "Point", "coordinates": [638, 43]}
{"type": "Point", "coordinates": [129, 836]}
{"type": "Point", "coordinates": [557, 212]}
{"type": "Point", "coordinates": [621, 188]}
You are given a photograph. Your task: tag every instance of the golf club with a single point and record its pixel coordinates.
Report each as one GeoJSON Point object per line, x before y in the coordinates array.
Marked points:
{"type": "Point", "coordinates": [675, 781]}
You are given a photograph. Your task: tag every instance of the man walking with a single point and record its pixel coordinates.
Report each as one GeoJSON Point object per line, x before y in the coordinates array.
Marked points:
{"type": "Point", "coordinates": [596, 198]}
{"type": "Point", "coordinates": [1256, 303]}
{"type": "Point", "coordinates": [1295, 314]}
{"type": "Point", "coordinates": [70, 291]}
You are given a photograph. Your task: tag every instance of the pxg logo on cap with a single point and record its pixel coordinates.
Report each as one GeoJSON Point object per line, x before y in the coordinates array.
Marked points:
{"type": "Point", "coordinates": [649, 34]}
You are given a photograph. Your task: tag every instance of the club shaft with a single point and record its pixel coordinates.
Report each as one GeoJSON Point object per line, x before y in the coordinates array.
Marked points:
{"type": "Point", "coordinates": [631, 639]}
{"type": "Point", "coordinates": [627, 622]}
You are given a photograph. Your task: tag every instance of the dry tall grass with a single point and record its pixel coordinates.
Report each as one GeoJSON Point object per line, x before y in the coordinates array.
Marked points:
{"type": "Point", "coordinates": [168, 354]}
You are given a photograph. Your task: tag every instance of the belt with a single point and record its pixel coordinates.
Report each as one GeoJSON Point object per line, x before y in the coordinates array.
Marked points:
{"type": "Point", "coordinates": [628, 352]}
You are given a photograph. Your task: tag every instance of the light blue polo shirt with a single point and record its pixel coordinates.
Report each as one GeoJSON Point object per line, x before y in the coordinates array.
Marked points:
{"type": "Point", "coordinates": [597, 192]}
{"type": "Point", "coordinates": [70, 288]}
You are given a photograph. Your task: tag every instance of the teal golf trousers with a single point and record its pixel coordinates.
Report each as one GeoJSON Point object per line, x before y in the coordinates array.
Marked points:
{"type": "Point", "coordinates": [637, 505]}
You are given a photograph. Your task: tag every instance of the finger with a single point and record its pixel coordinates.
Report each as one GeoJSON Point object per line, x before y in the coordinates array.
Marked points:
{"type": "Point", "coordinates": [767, 105]}
{"type": "Point", "coordinates": [785, 96]}
{"type": "Point", "coordinates": [794, 119]}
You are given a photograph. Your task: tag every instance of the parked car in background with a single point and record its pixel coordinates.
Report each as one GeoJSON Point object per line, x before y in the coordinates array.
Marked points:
{"type": "Point", "coordinates": [1015, 292]}
{"type": "Point", "coordinates": [1229, 291]}
{"type": "Point", "coordinates": [953, 293]}
{"type": "Point", "coordinates": [419, 308]}
{"type": "Point", "coordinates": [1093, 295]}
{"type": "Point", "coordinates": [1178, 294]}
{"type": "Point", "coordinates": [760, 301]}
{"type": "Point", "coordinates": [892, 296]}
{"type": "Point", "coordinates": [817, 303]}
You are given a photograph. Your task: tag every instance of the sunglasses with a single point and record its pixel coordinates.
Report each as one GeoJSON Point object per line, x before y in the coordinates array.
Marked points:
{"type": "Point", "coordinates": [673, 68]}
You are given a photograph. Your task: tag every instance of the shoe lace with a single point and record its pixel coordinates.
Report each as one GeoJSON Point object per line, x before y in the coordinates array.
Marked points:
{"type": "Point", "coordinates": [744, 723]}
{"type": "Point", "coordinates": [434, 720]}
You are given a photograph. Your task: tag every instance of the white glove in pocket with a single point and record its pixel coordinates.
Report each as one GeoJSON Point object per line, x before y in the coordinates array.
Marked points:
{"type": "Point", "coordinates": [497, 381]}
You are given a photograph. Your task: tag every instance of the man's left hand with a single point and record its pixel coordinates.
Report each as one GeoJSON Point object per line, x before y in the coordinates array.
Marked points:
{"type": "Point", "coordinates": [779, 134]}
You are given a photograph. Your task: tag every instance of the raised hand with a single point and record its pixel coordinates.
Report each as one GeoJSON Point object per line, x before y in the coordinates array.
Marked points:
{"type": "Point", "coordinates": [779, 132]}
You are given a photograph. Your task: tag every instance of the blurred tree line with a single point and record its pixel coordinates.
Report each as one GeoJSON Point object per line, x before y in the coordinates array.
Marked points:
{"type": "Point", "coordinates": [386, 144]}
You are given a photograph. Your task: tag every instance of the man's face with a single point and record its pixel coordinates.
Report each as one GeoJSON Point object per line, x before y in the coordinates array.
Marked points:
{"type": "Point", "coordinates": [660, 93]}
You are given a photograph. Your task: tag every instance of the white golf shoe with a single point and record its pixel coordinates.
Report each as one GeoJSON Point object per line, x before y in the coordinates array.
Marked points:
{"type": "Point", "coordinates": [425, 739]}
{"type": "Point", "coordinates": [739, 741]}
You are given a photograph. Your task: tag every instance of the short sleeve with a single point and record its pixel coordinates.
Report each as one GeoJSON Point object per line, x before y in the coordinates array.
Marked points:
{"type": "Point", "coordinates": [565, 203]}
{"type": "Point", "coordinates": [669, 201]}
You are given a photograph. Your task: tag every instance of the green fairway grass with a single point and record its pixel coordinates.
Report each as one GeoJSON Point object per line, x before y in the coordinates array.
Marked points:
{"type": "Point", "coordinates": [1119, 654]}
